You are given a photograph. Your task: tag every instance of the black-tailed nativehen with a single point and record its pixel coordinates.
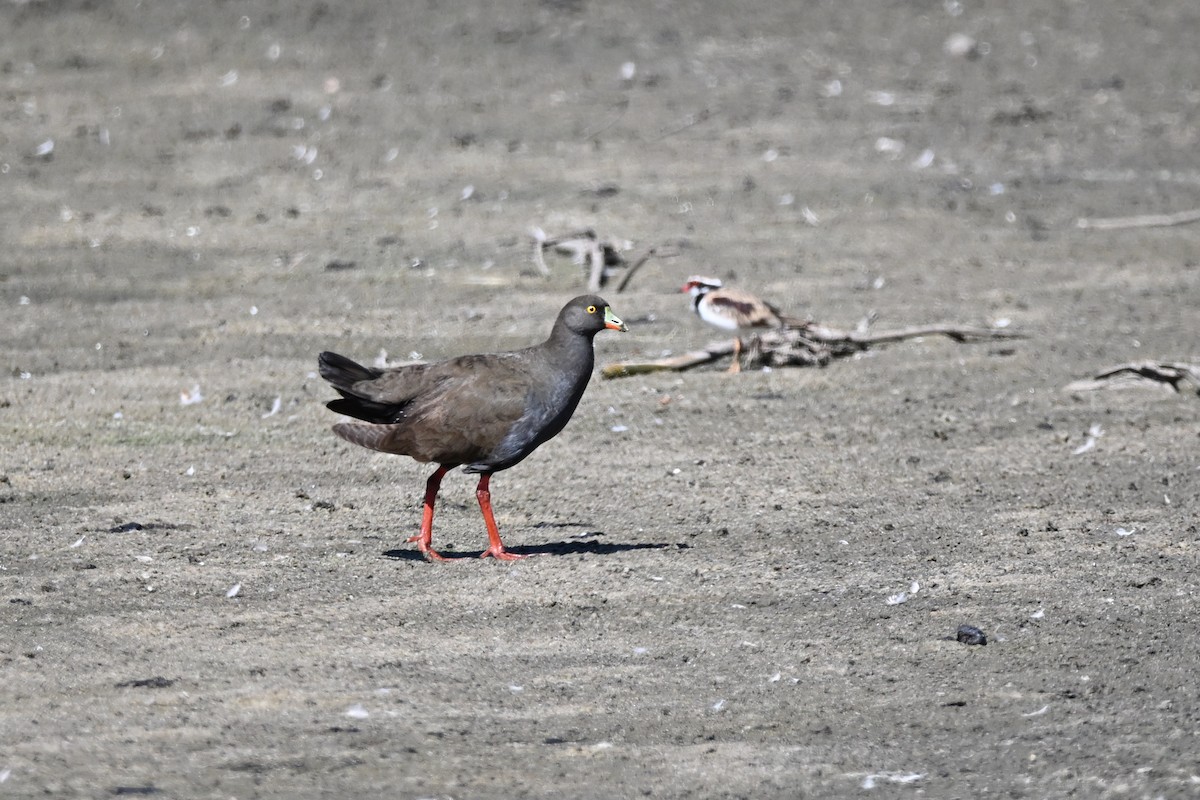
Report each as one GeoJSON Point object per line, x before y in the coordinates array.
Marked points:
{"type": "Point", "coordinates": [482, 412]}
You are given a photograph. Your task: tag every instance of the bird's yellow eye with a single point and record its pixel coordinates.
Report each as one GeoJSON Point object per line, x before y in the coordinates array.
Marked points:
{"type": "Point", "coordinates": [591, 309]}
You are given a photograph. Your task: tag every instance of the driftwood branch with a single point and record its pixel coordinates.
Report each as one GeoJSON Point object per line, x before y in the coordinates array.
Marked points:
{"type": "Point", "coordinates": [677, 363]}
{"type": "Point", "coordinates": [577, 244]}
{"type": "Point", "coordinates": [808, 345]}
{"type": "Point", "coordinates": [597, 256]}
{"type": "Point", "coordinates": [600, 259]}
{"type": "Point", "coordinates": [1143, 221]}
{"type": "Point", "coordinates": [861, 340]}
{"type": "Point", "coordinates": [1170, 376]}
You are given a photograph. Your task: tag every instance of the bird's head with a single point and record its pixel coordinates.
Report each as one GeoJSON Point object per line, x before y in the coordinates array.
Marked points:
{"type": "Point", "coordinates": [699, 285]}
{"type": "Point", "coordinates": [589, 314]}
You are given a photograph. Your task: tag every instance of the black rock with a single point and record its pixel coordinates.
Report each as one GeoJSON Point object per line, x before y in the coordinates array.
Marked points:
{"type": "Point", "coordinates": [969, 634]}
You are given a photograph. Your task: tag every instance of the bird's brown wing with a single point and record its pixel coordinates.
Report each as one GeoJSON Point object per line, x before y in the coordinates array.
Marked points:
{"type": "Point", "coordinates": [451, 412]}
{"type": "Point", "coordinates": [395, 386]}
{"type": "Point", "coordinates": [749, 311]}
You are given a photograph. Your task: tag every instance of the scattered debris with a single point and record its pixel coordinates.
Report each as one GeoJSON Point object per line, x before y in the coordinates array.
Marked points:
{"type": "Point", "coordinates": [962, 45]}
{"type": "Point", "coordinates": [1094, 434]}
{"type": "Point", "coordinates": [157, 682]}
{"type": "Point", "coordinates": [871, 781]}
{"type": "Point", "coordinates": [689, 120]}
{"type": "Point", "coordinates": [1027, 114]}
{"type": "Point", "coordinates": [275, 406]}
{"type": "Point", "coordinates": [187, 398]}
{"type": "Point", "coordinates": [969, 634]}
{"type": "Point", "coordinates": [1140, 221]}
{"type": "Point", "coordinates": [809, 345]}
{"type": "Point", "coordinates": [1166, 375]}
{"type": "Point", "coordinates": [600, 258]}
{"type": "Point", "coordinates": [234, 590]}
{"type": "Point", "coordinates": [903, 597]}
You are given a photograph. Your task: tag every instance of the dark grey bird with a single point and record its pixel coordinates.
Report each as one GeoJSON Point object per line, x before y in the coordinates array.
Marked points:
{"type": "Point", "coordinates": [482, 412]}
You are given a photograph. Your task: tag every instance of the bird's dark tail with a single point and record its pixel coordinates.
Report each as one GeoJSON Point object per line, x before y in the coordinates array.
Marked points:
{"type": "Point", "coordinates": [342, 373]}
{"type": "Point", "coordinates": [787, 320]}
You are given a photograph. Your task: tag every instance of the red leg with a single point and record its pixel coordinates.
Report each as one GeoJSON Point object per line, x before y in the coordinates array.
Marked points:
{"type": "Point", "coordinates": [495, 546]}
{"type": "Point", "coordinates": [425, 537]}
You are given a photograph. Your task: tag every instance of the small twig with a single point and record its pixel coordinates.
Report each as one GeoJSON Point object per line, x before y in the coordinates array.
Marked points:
{"type": "Point", "coordinates": [1175, 376]}
{"type": "Point", "coordinates": [635, 266]}
{"type": "Point", "coordinates": [689, 121]}
{"type": "Point", "coordinates": [575, 244]}
{"type": "Point", "coordinates": [1144, 221]}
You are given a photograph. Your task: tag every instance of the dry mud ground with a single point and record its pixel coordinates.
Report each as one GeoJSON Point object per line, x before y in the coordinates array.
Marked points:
{"type": "Point", "coordinates": [214, 601]}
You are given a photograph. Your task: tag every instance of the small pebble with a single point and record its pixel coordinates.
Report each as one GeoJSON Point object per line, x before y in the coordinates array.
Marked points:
{"type": "Point", "coordinates": [969, 634]}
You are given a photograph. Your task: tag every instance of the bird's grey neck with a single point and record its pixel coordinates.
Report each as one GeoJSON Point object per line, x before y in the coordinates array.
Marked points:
{"type": "Point", "coordinates": [573, 348]}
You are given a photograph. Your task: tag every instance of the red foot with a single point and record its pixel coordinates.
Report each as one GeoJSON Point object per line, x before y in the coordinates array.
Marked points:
{"type": "Point", "coordinates": [427, 551]}
{"type": "Point", "coordinates": [502, 554]}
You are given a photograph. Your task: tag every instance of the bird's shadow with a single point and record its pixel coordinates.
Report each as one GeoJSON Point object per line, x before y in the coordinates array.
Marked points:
{"type": "Point", "coordinates": [565, 548]}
